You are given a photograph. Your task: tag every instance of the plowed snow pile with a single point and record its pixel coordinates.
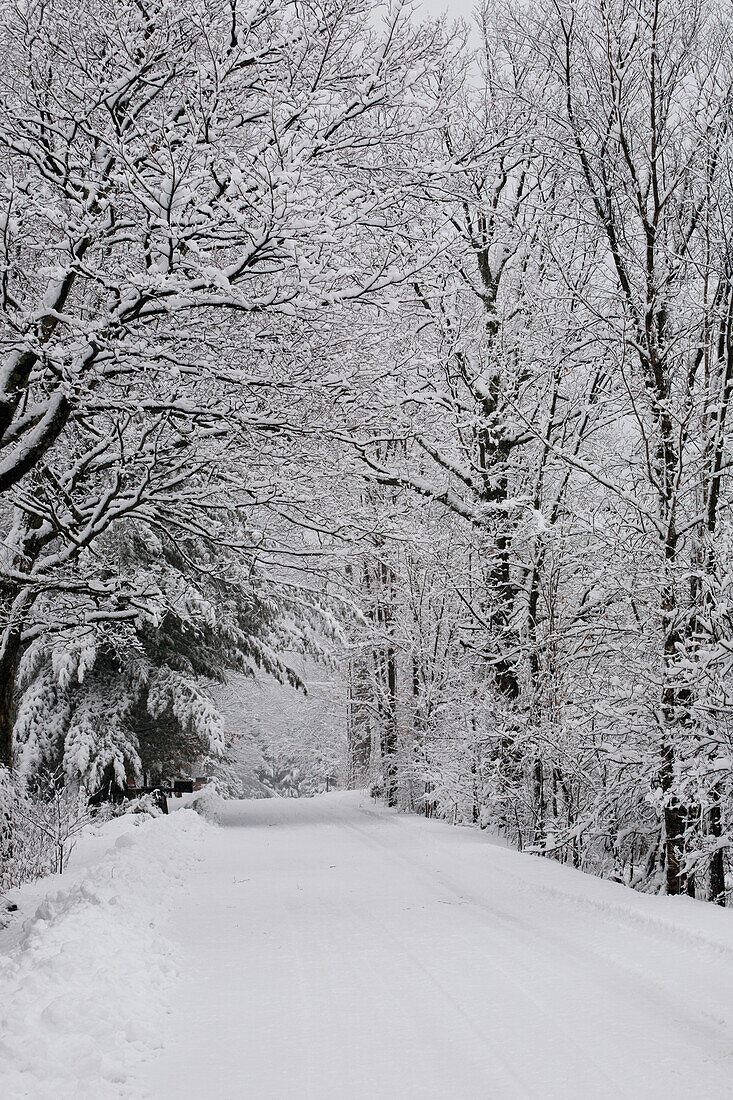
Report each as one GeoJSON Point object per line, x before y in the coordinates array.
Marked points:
{"type": "Point", "coordinates": [84, 990]}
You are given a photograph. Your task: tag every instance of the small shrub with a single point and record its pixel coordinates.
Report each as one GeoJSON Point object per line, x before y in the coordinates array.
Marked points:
{"type": "Point", "coordinates": [38, 831]}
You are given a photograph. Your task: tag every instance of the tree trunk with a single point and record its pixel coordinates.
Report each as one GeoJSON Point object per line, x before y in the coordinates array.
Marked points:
{"type": "Point", "coordinates": [9, 660]}
{"type": "Point", "coordinates": [675, 817]}
{"type": "Point", "coordinates": [717, 859]}
{"type": "Point", "coordinates": [540, 804]}
{"type": "Point", "coordinates": [389, 735]}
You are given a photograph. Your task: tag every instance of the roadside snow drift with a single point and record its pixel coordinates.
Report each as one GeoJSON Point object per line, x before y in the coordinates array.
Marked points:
{"type": "Point", "coordinates": [85, 990]}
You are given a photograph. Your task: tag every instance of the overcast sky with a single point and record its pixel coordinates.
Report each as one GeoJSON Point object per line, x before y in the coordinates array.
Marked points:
{"type": "Point", "coordinates": [456, 8]}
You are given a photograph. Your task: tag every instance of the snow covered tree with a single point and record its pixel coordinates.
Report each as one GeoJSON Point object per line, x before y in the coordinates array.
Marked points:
{"type": "Point", "coordinates": [169, 176]}
{"type": "Point", "coordinates": [109, 702]}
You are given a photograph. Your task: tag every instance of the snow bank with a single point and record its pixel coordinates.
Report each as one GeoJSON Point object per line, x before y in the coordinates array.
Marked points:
{"type": "Point", "coordinates": [677, 919]}
{"type": "Point", "coordinates": [210, 805]}
{"type": "Point", "coordinates": [85, 992]}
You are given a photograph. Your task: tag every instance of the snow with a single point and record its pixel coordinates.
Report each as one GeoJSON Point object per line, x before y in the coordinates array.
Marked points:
{"type": "Point", "coordinates": [84, 980]}
{"type": "Point", "coordinates": [329, 948]}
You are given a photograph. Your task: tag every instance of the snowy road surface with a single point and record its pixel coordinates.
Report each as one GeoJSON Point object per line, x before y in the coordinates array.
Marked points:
{"type": "Point", "coordinates": [327, 948]}
{"type": "Point", "coordinates": [335, 950]}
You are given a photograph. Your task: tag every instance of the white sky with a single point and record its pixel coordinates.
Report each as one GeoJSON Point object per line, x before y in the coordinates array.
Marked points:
{"type": "Point", "coordinates": [459, 9]}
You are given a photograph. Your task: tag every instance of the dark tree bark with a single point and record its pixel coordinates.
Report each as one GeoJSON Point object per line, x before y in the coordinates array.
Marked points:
{"type": "Point", "coordinates": [717, 859]}
{"type": "Point", "coordinates": [9, 660]}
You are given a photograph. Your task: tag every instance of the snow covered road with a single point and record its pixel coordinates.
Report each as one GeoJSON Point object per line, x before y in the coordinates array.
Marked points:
{"type": "Point", "coordinates": [329, 948]}
{"type": "Point", "coordinates": [337, 950]}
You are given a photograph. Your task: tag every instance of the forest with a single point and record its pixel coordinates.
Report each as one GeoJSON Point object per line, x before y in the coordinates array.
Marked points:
{"type": "Point", "coordinates": [336, 336]}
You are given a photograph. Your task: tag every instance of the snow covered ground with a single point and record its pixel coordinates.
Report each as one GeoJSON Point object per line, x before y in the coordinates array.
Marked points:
{"type": "Point", "coordinates": [85, 971]}
{"type": "Point", "coordinates": [328, 948]}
